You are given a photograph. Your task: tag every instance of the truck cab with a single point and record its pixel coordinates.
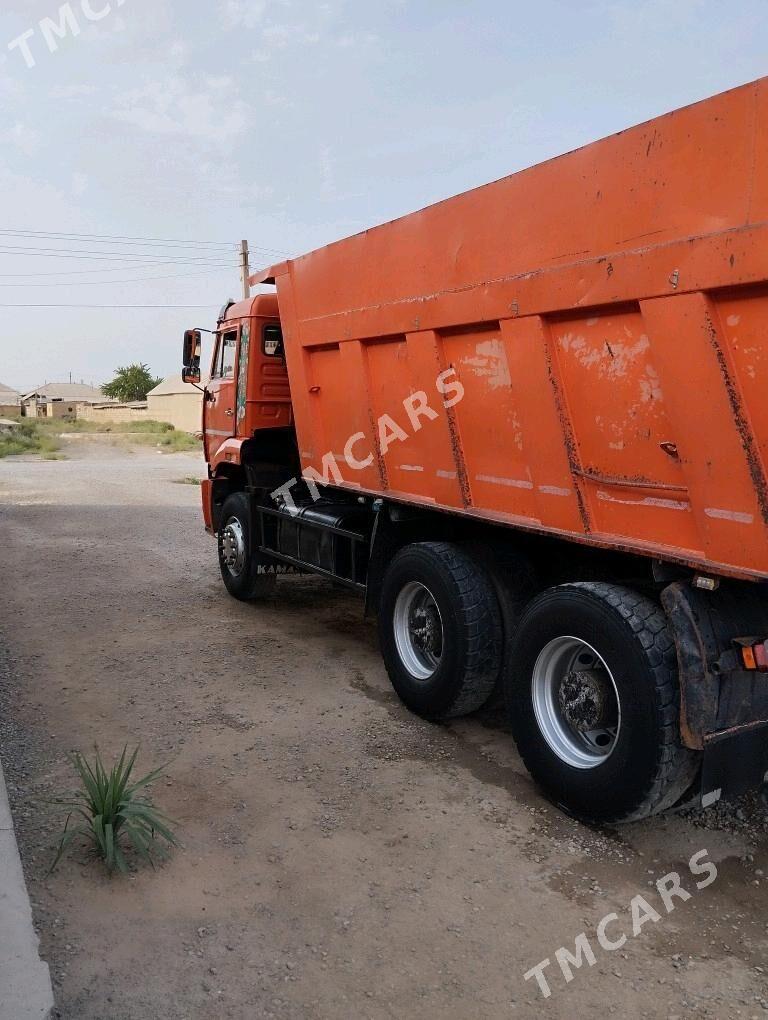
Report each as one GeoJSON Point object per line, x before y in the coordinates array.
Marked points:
{"type": "Point", "coordinates": [248, 388]}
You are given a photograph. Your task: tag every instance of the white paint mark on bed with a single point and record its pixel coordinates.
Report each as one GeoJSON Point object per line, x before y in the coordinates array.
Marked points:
{"type": "Point", "coordinates": [665, 504]}
{"type": "Point", "coordinates": [491, 363]}
{"type": "Point", "coordinates": [554, 490]}
{"type": "Point", "coordinates": [514, 483]}
{"type": "Point", "coordinates": [729, 515]}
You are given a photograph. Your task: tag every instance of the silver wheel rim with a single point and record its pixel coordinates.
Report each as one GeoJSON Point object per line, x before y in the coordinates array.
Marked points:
{"type": "Point", "coordinates": [576, 702]}
{"type": "Point", "coordinates": [233, 546]}
{"type": "Point", "coordinates": [418, 631]}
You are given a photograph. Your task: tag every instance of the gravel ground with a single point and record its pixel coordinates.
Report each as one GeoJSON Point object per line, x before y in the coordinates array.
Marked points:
{"type": "Point", "coordinates": [340, 857]}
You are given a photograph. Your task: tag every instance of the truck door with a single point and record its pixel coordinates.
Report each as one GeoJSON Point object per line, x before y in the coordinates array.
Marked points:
{"type": "Point", "coordinates": [220, 421]}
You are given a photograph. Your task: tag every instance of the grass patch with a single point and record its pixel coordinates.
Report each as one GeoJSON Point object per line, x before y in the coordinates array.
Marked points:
{"type": "Point", "coordinates": [27, 437]}
{"type": "Point", "coordinates": [40, 435]}
{"type": "Point", "coordinates": [113, 814]}
{"type": "Point", "coordinates": [147, 426]}
{"type": "Point", "coordinates": [141, 426]}
{"type": "Point", "coordinates": [58, 425]}
{"type": "Point", "coordinates": [171, 441]}
{"type": "Point", "coordinates": [187, 480]}
{"type": "Point", "coordinates": [178, 442]}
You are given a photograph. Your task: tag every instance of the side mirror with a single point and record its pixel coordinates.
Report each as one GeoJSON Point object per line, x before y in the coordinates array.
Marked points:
{"type": "Point", "coordinates": [193, 349]}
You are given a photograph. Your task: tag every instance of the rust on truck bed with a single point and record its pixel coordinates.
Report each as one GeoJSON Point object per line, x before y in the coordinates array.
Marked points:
{"type": "Point", "coordinates": [606, 314]}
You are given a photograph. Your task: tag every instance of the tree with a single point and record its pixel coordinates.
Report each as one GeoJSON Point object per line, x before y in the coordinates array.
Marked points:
{"type": "Point", "coordinates": [133, 382]}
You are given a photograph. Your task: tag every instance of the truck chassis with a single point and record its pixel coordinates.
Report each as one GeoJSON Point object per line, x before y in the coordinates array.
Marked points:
{"type": "Point", "coordinates": [718, 706]}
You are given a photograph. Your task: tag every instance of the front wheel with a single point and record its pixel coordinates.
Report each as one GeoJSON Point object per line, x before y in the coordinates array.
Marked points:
{"type": "Point", "coordinates": [238, 565]}
{"type": "Point", "coordinates": [440, 630]}
{"type": "Point", "coordinates": [594, 703]}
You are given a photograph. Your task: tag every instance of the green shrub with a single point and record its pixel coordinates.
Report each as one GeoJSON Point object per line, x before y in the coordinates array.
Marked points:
{"type": "Point", "coordinates": [26, 437]}
{"type": "Point", "coordinates": [114, 814]}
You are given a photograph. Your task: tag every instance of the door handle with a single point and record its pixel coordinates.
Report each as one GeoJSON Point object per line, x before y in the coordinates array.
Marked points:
{"type": "Point", "coordinates": [229, 412]}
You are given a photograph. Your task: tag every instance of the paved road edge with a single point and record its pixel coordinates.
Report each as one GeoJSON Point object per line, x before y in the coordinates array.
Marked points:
{"type": "Point", "coordinates": [25, 981]}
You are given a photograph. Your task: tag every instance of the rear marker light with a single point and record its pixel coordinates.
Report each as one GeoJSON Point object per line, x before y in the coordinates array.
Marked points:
{"type": "Point", "coordinates": [761, 657]}
{"type": "Point", "coordinates": [755, 656]}
{"type": "Point", "coordinates": [748, 657]}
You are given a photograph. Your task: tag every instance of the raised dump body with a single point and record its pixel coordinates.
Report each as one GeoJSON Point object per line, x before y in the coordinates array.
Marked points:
{"type": "Point", "coordinates": [606, 314]}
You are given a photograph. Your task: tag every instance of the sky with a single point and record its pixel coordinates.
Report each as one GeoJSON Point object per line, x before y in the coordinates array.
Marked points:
{"type": "Point", "coordinates": [291, 124]}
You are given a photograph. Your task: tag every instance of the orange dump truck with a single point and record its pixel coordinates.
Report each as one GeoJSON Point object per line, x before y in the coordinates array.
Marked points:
{"type": "Point", "coordinates": [528, 425]}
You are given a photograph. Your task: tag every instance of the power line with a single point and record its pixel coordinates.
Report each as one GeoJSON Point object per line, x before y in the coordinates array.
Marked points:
{"type": "Point", "coordinates": [2, 305]}
{"type": "Point", "coordinates": [69, 253]}
{"type": "Point", "coordinates": [97, 283]}
{"type": "Point", "coordinates": [18, 248]}
{"type": "Point", "coordinates": [116, 238]}
{"type": "Point", "coordinates": [126, 240]}
{"type": "Point", "coordinates": [125, 267]}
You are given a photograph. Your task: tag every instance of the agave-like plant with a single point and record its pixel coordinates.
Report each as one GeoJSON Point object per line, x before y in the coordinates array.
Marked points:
{"type": "Point", "coordinates": [113, 811]}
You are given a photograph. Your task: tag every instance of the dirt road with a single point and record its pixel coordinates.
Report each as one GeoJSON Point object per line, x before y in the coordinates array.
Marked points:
{"type": "Point", "coordinates": [340, 857]}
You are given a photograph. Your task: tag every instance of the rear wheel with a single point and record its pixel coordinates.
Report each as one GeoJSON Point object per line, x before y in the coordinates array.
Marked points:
{"type": "Point", "coordinates": [440, 630]}
{"type": "Point", "coordinates": [239, 567]}
{"type": "Point", "coordinates": [594, 702]}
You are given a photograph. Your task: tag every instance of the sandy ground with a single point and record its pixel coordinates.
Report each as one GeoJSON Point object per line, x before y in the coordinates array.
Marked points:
{"type": "Point", "coordinates": [340, 857]}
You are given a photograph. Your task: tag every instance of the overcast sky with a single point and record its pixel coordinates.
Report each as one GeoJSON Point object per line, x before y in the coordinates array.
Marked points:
{"type": "Point", "coordinates": [292, 124]}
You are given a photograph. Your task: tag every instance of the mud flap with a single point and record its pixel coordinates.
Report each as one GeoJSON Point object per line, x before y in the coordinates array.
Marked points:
{"type": "Point", "coordinates": [734, 764]}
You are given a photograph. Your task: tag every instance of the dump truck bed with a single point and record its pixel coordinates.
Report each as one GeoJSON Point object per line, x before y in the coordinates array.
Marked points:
{"type": "Point", "coordinates": [606, 313]}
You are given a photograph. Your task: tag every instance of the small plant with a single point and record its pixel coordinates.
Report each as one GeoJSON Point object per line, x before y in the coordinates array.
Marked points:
{"type": "Point", "coordinates": [113, 811]}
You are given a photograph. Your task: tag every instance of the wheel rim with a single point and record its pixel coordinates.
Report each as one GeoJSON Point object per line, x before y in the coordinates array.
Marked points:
{"type": "Point", "coordinates": [233, 546]}
{"type": "Point", "coordinates": [576, 702]}
{"type": "Point", "coordinates": [418, 630]}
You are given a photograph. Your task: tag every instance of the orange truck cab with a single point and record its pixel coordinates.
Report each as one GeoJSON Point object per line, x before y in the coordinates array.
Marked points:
{"type": "Point", "coordinates": [248, 389]}
{"type": "Point", "coordinates": [527, 425]}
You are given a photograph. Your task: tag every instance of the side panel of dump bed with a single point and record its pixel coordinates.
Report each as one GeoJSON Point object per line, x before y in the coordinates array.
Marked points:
{"type": "Point", "coordinates": [606, 314]}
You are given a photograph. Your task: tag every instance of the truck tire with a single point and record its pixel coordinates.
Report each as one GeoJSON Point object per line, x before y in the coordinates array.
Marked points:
{"type": "Point", "coordinates": [594, 703]}
{"type": "Point", "coordinates": [239, 569]}
{"type": "Point", "coordinates": [513, 580]}
{"type": "Point", "coordinates": [440, 630]}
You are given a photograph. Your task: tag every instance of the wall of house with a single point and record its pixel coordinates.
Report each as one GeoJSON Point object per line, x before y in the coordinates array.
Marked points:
{"type": "Point", "coordinates": [114, 413]}
{"type": "Point", "coordinates": [182, 410]}
{"type": "Point", "coordinates": [59, 409]}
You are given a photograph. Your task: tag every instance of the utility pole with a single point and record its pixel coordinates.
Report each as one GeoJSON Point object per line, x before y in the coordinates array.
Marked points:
{"type": "Point", "coordinates": [245, 269]}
